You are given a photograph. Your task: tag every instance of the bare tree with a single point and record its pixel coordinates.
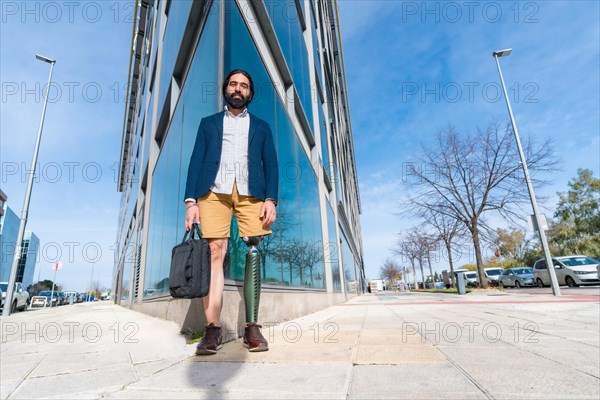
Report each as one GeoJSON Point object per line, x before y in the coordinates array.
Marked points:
{"type": "Point", "coordinates": [97, 288]}
{"type": "Point", "coordinates": [448, 230]}
{"type": "Point", "coordinates": [428, 243]}
{"type": "Point", "coordinates": [465, 177]}
{"type": "Point", "coordinates": [413, 246]}
{"type": "Point", "coordinates": [390, 270]}
{"type": "Point", "coordinates": [406, 249]}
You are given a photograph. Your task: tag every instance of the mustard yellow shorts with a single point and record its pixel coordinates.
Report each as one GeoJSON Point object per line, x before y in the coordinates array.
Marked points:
{"type": "Point", "coordinates": [216, 210]}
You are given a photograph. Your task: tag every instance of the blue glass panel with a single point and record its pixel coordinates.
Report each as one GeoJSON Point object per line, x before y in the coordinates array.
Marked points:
{"type": "Point", "coordinates": [348, 266]}
{"type": "Point", "coordinates": [316, 49]}
{"type": "Point", "coordinates": [148, 133]}
{"type": "Point", "coordinates": [333, 249]}
{"type": "Point", "coordinates": [126, 278]}
{"type": "Point", "coordinates": [285, 19]}
{"type": "Point", "coordinates": [288, 224]}
{"type": "Point", "coordinates": [311, 271]}
{"type": "Point", "coordinates": [179, 12]}
{"type": "Point", "coordinates": [324, 141]}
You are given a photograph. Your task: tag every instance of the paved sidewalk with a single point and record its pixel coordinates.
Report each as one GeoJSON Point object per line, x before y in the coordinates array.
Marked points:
{"type": "Point", "coordinates": [489, 345]}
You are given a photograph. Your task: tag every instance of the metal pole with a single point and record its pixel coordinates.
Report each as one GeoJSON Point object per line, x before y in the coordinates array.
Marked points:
{"type": "Point", "coordinates": [91, 280]}
{"type": "Point", "coordinates": [536, 214]}
{"type": "Point", "coordinates": [25, 210]}
{"type": "Point", "coordinates": [52, 292]}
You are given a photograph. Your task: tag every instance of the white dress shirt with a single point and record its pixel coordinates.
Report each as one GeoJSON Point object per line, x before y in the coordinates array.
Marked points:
{"type": "Point", "coordinates": [234, 155]}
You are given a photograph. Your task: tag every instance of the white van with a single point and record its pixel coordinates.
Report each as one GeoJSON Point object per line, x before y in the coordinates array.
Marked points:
{"type": "Point", "coordinates": [570, 270]}
{"type": "Point", "coordinates": [493, 274]}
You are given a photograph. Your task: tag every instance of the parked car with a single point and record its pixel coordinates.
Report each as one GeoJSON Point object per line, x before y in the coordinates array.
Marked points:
{"type": "Point", "coordinates": [62, 298]}
{"type": "Point", "coordinates": [517, 277]}
{"type": "Point", "coordinates": [493, 274]}
{"type": "Point", "coordinates": [20, 297]}
{"type": "Point", "coordinates": [76, 297]}
{"type": "Point", "coordinates": [46, 298]}
{"type": "Point", "coordinates": [472, 278]}
{"type": "Point", "coordinates": [570, 270]}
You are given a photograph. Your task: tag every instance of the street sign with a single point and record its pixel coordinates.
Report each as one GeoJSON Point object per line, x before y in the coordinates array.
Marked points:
{"type": "Point", "coordinates": [57, 265]}
{"type": "Point", "coordinates": [532, 223]}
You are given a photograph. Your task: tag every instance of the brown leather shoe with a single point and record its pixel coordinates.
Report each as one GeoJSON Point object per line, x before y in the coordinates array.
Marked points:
{"type": "Point", "coordinates": [253, 339]}
{"type": "Point", "coordinates": [212, 340]}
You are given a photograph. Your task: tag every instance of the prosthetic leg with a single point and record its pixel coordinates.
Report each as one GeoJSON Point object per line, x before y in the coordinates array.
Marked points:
{"type": "Point", "coordinates": [253, 338]}
{"type": "Point", "coordinates": [252, 278]}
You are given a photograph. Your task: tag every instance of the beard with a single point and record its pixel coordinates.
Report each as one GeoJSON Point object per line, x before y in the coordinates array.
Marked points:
{"type": "Point", "coordinates": [236, 102]}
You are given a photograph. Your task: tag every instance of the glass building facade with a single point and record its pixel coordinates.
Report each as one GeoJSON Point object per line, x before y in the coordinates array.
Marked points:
{"type": "Point", "coordinates": [9, 229]}
{"type": "Point", "coordinates": [182, 50]}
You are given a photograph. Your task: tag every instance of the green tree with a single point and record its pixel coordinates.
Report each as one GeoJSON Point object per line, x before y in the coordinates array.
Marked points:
{"type": "Point", "coordinates": [576, 229]}
{"type": "Point", "coordinates": [511, 243]}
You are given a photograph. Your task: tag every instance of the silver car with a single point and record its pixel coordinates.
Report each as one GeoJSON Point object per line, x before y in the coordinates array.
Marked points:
{"type": "Point", "coordinates": [570, 270]}
{"type": "Point", "coordinates": [517, 277]}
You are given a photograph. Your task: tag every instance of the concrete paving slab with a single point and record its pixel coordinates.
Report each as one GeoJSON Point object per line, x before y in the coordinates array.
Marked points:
{"type": "Point", "coordinates": [482, 355]}
{"type": "Point", "coordinates": [396, 339]}
{"type": "Point", "coordinates": [18, 366]}
{"type": "Point", "coordinates": [571, 357]}
{"type": "Point", "coordinates": [68, 384]}
{"type": "Point", "coordinates": [55, 364]}
{"type": "Point", "coordinates": [148, 368]}
{"type": "Point", "coordinates": [403, 354]}
{"type": "Point", "coordinates": [533, 381]}
{"type": "Point", "coordinates": [151, 394]}
{"type": "Point", "coordinates": [312, 380]}
{"type": "Point", "coordinates": [190, 375]}
{"type": "Point", "coordinates": [288, 353]}
{"type": "Point", "coordinates": [8, 386]}
{"type": "Point", "coordinates": [329, 334]}
{"type": "Point", "coordinates": [435, 381]}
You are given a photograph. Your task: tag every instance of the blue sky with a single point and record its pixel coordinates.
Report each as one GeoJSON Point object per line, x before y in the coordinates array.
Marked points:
{"type": "Point", "coordinates": [404, 63]}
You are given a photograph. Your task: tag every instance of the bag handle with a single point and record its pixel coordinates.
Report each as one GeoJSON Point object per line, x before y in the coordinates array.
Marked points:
{"type": "Point", "coordinates": [195, 229]}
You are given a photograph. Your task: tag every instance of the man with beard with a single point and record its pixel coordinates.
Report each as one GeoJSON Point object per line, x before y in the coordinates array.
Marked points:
{"type": "Point", "coordinates": [233, 169]}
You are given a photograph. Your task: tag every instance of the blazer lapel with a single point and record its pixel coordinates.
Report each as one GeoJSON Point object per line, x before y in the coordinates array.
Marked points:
{"type": "Point", "coordinates": [218, 121]}
{"type": "Point", "coordinates": [252, 130]}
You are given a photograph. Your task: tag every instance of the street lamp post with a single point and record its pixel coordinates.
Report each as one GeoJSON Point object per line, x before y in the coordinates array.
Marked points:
{"type": "Point", "coordinates": [91, 284]}
{"type": "Point", "coordinates": [536, 213]}
{"type": "Point", "coordinates": [25, 210]}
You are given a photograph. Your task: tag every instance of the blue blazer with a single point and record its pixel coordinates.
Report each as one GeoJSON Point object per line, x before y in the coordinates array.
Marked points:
{"type": "Point", "coordinates": [263, 172]}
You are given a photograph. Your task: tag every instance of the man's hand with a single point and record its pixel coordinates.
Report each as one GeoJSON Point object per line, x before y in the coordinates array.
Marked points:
{"type": "Point", "coordinates": [191, 213]}
{"type": "Point", "coordinates": [267, 213]}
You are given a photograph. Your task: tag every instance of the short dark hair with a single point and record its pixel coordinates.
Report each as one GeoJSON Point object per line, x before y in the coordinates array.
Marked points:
{"type": "Point", "coordinates": [246, 74]}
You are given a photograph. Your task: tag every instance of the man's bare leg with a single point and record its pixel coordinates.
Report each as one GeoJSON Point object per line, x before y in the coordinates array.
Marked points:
{"type": "Point", "coordinates": [212, 302]}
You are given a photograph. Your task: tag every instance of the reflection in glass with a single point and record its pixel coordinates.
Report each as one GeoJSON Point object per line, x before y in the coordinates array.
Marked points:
{"type": "Point", "coordinates": [348, 266]}
{"type": "Point", "coordinates": [333, 250]}
{"type": "Point", "coordinates": [179, 11]}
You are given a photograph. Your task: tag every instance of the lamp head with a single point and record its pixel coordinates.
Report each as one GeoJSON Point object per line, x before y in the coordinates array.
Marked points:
{"type": "Point", "coordinates": [46, 59]}
{"type": "Point", "coordinates": [502, 53]}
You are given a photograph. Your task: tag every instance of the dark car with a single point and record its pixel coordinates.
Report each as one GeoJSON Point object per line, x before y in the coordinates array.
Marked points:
{"type": "Point", "coordinates": [517, 277]}
{"type": "Point", "coordinates": [62, 298]}
{"type": "Point", "coordinates": [48, 295]}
